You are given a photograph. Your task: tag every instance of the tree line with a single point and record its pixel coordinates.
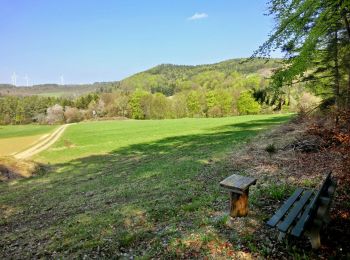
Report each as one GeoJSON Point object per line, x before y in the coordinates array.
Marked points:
{"type": "Point", "coordinates": [141, 104]}
{"type": "Point", "coordinates": [167, 91]}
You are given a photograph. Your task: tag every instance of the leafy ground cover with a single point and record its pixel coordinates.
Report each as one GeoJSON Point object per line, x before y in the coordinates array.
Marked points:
{"type": "Point", "coordinates": [297, 154]}
{"type": "Point", "coordinates": [132, 188]}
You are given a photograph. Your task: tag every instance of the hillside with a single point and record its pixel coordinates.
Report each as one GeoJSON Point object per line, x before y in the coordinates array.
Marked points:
{"type": "Point", "coordinates": [232, 87]}
{"type": "Point", "coordinates": [164, 78]}
{"type": "Point", "coordinates": [51, 90]}
{"type": "Point", "coordinates": [169, 79]}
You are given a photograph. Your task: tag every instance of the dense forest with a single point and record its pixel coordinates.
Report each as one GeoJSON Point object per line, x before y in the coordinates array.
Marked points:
{"type": "Point", "coordinates": [233, 87]}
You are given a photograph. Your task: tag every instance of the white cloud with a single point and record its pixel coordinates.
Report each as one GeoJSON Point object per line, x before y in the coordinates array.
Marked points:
{"type": "Point", "coordinates": [198, 16]}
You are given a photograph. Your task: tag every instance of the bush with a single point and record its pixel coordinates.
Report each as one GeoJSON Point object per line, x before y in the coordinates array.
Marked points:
{"type": "Point", "coordinates": [308, 101]}
{"type": "Point", "coordinates": [55, 115]}
{"type": "Point", "coordinates": [247, 105]}
{"type": "Point", "coordinates": [215, 112]}
{"type": "Point", "coordinates": [271, 148]}
{"type": "Point", "coordinates": [72, 115]}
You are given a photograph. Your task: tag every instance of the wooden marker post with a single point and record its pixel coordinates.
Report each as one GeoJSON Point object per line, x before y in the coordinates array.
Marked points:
{"type": "Point", "coordinates": [238, 187]}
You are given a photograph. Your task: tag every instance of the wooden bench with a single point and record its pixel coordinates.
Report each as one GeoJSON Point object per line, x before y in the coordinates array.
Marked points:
{"type": "Point", "coordinates": [305, 212]}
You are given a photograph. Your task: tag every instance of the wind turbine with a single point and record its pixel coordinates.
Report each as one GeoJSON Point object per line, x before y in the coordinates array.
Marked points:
{"type": "Point", "coordinates": [27, 80]}
{"type": "Point", "coordinates": [62, 80]}
{"type": "Point", "coordinates": [14, 79]}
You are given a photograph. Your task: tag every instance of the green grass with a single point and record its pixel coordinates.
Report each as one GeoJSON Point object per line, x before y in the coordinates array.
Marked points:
{"type": "Point", "coordinates": [146, 186]}
{"type": "Point", "coordinates": [88, 138]}
{"type": "Point", "coordinates": [24, 130]}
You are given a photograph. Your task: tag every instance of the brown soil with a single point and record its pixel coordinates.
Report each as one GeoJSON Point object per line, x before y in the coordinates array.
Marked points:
{"type": "Point", "coordinates": [291, 165]}
{"type": "Point", "coordinates": [11, 168]}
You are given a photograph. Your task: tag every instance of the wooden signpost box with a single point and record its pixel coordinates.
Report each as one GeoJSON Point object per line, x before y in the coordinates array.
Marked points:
{"type": "Point", "coordinates": [238, 187]}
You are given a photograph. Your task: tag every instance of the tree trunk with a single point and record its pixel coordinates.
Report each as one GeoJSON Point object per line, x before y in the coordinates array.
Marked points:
{"type": "Point", "coordinates": [347, 24]}
{"type": "Point", "coordinates": [348, 94]}
{"type": "Point", "coordinates": [336, 76]}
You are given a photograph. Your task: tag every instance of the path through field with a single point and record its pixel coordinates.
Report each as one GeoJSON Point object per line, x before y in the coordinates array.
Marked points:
{"type": "Point", "coordinates": [43, 144]}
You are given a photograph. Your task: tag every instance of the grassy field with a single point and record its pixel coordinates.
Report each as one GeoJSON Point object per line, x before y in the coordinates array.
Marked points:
{"type": "Point", "coordinates": [52, 94]}
{"type": "Point", "coordinates": [17, 138]}
{"type": "Point", "coordinates": [90, 138]}
{"type": "Point", "coordinates": [127, 188]}
{"type": "Point", "coordinates": [10, 131]}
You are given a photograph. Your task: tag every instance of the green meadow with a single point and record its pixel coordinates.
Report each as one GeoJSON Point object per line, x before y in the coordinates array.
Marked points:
{"type": "Point", "coordinates": [10, 131]}
{"type": "Point", "coordinates": [16, 138]}
{"type": "Point", "coordinates": [119, 188]}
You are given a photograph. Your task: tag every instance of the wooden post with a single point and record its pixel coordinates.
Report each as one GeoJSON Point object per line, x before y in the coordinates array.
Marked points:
{"type": "Point", "coordinates": [281, 236]}
{"type": "Point", "coordinates": [238, 187]}
{"type": "Point", "coordinates": [239, 204]}
{"type": "Point", "coordinates": [314, 235]}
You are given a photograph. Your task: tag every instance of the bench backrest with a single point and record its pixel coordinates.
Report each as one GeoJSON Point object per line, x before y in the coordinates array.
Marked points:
{"type": "Point", "coordinates": [311, 212]}
{"type": "Point", "coordinates": [322, 192]}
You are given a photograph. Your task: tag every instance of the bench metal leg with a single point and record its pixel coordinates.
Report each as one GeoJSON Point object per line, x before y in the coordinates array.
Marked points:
{"type": "Point", "coordinates": [239, 204]}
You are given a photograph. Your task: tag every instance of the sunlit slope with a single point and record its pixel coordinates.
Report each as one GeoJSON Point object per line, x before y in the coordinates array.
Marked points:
{"type": "Point", "coordinates": [90, 138]}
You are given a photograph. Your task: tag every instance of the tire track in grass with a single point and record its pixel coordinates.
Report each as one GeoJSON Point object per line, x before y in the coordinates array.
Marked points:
{"type": "Point", "coordinates": [43, 144]}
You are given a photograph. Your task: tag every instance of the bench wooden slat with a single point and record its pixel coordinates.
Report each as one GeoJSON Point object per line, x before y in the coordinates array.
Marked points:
{"type": "Point", "coordinates": [282, 211]}
{"type": "Point", "coordinates": [238, 182]}
{"type": "Point", "coordinates": [300, 225]}
{"type": "Point", "coordinates": [299, 205]}
{"type": "Point", "coordinates": [303, 212]}
{"type": "Point", "coordinates": [327, 181]}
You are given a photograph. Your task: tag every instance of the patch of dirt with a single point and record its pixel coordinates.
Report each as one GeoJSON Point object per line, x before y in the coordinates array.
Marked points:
{"type": "Point", "coordinates": [306, 150]}
{"type": "Point", "coordinates": [68, 143]}
{"type": "Point", "coordinates": [43, 144]}
{"type": "Point", "coordinates": [11, 168]}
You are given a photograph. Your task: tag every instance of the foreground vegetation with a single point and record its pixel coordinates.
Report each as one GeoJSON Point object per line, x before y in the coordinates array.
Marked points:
{"type": "Point", "coordinates": [132, 188]}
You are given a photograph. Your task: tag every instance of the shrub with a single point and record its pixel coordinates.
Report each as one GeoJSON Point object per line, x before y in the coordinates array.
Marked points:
{"type": "Point", "coordinates": [55, 114]}
{"type": "Point", "coordinates": [271, 148]}
{"type": "Point", "coordinates": [247, 105]}
{"type": "Point", "coordinates": [307, 102]}
{"type": "Point", "coordinates": [72, 115]}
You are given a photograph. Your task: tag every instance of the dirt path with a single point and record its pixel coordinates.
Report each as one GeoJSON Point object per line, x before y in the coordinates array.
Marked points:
{"type": "Point", "coordinates": [45, 142]}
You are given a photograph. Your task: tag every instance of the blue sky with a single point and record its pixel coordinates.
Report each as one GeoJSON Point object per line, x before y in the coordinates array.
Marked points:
{"type": "Point", "coordinates": [104, 40]}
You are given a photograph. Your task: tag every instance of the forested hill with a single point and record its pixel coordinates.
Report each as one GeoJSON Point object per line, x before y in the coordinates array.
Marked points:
{"type": "Point", "coordinates": [52, 90]}
{"type": "Point", "coordinates": [166, 78]}
{"type": "Point", "coordinates": [169, 79]}
{"type": "Point", "coordinates": [238, 65]}
{"type": "Point", "coordinates": [166, 91]}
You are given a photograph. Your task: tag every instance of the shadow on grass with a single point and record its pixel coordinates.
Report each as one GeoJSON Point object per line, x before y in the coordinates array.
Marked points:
{"type": "Point", "coordinates": [143, 197]}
